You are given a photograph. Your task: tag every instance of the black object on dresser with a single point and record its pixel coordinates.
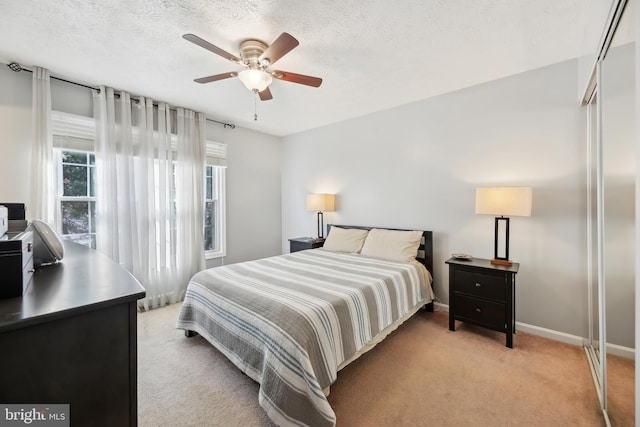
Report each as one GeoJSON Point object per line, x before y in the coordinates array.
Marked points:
{"type": "Point", "coordinates": [483, 294]}
{"type": "Point", "coordinates": [302, 243]}
{"type": "Point", "coordinates": [16, 263]}
{"type": "Point", "coordinates": [72, 339]}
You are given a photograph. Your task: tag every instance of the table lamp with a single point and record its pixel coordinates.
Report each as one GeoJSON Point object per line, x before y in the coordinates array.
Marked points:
{"type": "Point", "coordinates": [321, 203]}
{"type": "Point", "coordinates": [505, 202]}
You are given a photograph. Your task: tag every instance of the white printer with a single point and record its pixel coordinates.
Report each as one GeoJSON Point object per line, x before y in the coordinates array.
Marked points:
{"type": "Point", "coordinates": [4, 220]}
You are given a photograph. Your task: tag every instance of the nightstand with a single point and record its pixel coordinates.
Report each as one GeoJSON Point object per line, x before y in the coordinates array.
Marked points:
{"type": "Point", "coordinates": [483, 294]}
{"type": "Point", "coordinates": [302, 243]}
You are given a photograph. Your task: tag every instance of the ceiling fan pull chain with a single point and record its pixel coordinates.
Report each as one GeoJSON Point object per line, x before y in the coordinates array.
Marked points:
{"type": "Point", "coordinates": [255, 105]}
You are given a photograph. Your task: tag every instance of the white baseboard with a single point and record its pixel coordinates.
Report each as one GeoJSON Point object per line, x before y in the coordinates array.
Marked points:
{"type": "Point", "coordinates": [438, 306]}
{"type": "Point", "coordinates": [615, 349]}
{"type": "Point", "coordinates": [622, 351]}
{"type": "Point", "coordinates": [551, 334]}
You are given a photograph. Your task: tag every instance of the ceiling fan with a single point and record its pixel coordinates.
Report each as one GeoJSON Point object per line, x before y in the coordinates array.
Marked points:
{"type": "Point", "coordinates": [256, 58]}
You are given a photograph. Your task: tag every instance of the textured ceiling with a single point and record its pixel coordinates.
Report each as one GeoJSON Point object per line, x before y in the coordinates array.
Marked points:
{"type": "Point", "coordinates": [372, 54]}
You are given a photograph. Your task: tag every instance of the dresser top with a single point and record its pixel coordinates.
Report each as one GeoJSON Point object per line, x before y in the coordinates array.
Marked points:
{"type": "Point", "coordinates": [84, 280]}
{"type": "Point", "coordinates": [484, 263]}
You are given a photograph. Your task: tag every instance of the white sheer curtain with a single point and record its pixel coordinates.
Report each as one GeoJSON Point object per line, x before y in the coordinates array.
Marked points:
{"type": "Point", "coordinates": [143, 220]}
{"type": "Point", "coordinates": [40, 204]}
{"type": "Point", "coordinates": [190, 193]}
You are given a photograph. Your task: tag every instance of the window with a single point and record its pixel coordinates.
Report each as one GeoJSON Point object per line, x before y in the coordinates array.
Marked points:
{"type": "Point", "coordinates": [76, 203]}
{"type": "Point", "coordinates": [76, 187]}
{"type": "Point", "coordinates": [214, 233]}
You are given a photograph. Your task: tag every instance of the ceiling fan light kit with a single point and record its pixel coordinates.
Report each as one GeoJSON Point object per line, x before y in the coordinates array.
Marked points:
{"type": "Point", "coordinates": [255, 80]}
{"type": "Point", "coordinates": [255, 56]}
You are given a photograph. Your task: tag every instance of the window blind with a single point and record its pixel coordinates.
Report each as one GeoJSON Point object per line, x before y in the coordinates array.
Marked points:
{"type": "Point", "coordinates": [216, 153]}
{"type": "Point", "coordinates": [72, 132]}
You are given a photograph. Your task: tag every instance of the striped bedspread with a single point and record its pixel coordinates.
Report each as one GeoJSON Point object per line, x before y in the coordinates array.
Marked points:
{"type": "Point", "coordinates": [289, 321]}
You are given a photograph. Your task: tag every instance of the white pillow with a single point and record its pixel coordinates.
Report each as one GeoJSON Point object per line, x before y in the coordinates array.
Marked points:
{"type": "Point", "coordinates": [394, 245]}
{"type": "Point", "coordinates": [345, 240]}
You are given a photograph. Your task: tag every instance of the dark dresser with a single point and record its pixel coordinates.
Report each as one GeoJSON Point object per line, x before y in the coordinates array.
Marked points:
{"type": "Point", "coordinates": [72, 338]}
{"type": "Point", "coordinates": [483, 294]}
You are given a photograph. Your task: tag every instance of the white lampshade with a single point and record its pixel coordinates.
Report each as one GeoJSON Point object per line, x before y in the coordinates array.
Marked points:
{"type": "Point", "coordinates": [321, 202]}
{"type": "Point", "coordinates": [506, 201]}
{"type": "Point", "coordinates": [255, 79]}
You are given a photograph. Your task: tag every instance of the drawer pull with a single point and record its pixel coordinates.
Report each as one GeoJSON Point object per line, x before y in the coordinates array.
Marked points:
{"type": "Point", "coordinates": [478, 285]}
{"type": "Point", "coordinates": [478, 310]}
{"type": "Point", "coordinates": [28, 247]}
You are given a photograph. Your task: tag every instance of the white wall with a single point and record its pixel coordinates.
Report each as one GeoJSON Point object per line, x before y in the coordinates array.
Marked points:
{"type": "Point", "coordinates": [417, 166]}
{"type": "Point", "coordinates": [253, 193]}
{"type": "Point", "coordinates": [253, 175]}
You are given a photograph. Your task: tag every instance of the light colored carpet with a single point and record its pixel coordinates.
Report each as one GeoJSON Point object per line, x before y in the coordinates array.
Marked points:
{"type": "Point", "coordinates": [187, 382]}
{"type": "Point", "coordinates": [621, 397]}
{"type": "Point", "coordinates": [422, 374]}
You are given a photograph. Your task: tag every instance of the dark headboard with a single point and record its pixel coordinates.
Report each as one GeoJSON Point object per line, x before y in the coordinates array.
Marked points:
{"type": "Point", "coordinates": [425, 250]}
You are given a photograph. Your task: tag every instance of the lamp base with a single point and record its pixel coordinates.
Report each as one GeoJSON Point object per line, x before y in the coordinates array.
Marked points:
{"type": "Point", "coordinates": [320, 225]}
{"type": "Point", "coordinates": [501, 262]}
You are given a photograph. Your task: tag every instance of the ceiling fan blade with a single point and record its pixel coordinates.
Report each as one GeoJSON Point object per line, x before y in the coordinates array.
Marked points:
{"type": "Point", "coordinates": [215, 49]}
{"type": "Point", "coordinates": [297, 78]}
{"type": "Point", "coordinates": [222, 76]}
{"type": "Point", "coordinates": [279, 48]}
{"type": "Point", "coordinates": [265, 95]}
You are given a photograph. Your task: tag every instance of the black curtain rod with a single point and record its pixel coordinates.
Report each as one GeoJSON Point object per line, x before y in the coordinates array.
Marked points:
{"type": "Point", "coordinates": [17, 68]}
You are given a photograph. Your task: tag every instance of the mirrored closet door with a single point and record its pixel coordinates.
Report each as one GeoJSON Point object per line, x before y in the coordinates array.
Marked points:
{"type": "Point", "coordinates": [617, 100]}
{"type": "Point", "coordinates": [594, 279]}
{"type": "Point", "coordinates": [611, 216]}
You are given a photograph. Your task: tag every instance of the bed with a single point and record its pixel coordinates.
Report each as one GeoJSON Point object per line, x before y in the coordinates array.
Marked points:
{"type": "Point", "coordinates": [292, 321]}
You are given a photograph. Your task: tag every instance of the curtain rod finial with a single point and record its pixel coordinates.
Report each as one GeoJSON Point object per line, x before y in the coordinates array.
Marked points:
{"type": "Point", "coordinates": [14, 66]}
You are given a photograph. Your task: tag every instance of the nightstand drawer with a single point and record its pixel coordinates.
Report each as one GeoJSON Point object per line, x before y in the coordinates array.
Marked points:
{"type": "Point", "coordinates": [486, 313]}
{"type": "Point", "coordinates": [481, 285]}
{"type": "Point", "coordinates": [303, 243]}
{"type": "Point", "coordinates": [296, 246]}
